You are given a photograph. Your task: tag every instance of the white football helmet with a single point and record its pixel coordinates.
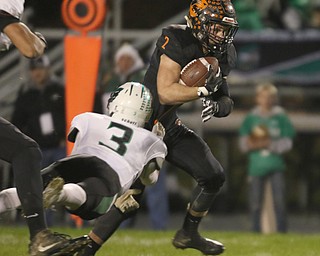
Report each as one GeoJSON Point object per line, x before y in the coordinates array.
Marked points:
{"type": "Point", "coordinates": [131, 103]}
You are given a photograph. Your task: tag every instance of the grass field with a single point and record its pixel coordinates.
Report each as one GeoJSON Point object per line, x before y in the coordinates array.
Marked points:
{"type": "Point", "coordinates": [14, 240]}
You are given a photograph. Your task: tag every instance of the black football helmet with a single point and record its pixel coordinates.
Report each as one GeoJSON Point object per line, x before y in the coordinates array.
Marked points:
{"type": "Point", "coordinates": [213, 23]}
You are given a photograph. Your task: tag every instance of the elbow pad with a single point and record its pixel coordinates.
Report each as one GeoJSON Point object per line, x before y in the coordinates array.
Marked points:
{"type": "Point", "coordinates": [225, 106]}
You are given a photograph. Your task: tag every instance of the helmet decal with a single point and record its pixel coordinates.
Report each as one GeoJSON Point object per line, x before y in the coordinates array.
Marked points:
{"type": "Point", "coordinates": [196, 6]}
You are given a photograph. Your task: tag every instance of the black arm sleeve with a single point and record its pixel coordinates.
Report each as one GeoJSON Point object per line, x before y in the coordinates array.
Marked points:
{"type": "Point", "coordinates": [72, 135]}
{"type": "Point", "coordinates": [225, 104]}
{"type": "Point", "coordinates": [6, 19]}
{"type": "Point", "coordinates": [222, 97]}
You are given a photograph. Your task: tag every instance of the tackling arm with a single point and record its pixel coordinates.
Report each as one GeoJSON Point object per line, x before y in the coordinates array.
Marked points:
{"type": "Point", "coordinates": [150, 172]}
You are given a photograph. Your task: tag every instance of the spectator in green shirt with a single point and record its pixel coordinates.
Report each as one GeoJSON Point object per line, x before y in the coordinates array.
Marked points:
{"type": "Point", "coordinates": [265, 134]}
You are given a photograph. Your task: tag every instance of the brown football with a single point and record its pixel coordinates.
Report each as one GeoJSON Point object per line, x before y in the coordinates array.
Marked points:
{"type": "Point", "coordinates": [196, 71]}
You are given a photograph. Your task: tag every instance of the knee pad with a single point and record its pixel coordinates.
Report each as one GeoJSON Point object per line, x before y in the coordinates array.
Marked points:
{"type": "Point", "coordinates": [213, 181]}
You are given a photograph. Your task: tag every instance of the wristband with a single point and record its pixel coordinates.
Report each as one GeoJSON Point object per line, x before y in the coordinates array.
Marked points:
{"type": "Point", "coordinates": [203, 92]}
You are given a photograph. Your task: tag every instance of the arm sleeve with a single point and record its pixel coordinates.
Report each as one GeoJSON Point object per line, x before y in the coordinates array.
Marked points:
{"type": "Point", "coordinates": [243, 145]}
{"type": "Point", "coordinates": [281, 146]}
{"type": "Point", "coordinates": [244, 132]}
{"type": "Point", "coordinates": [228, 60]}
{"type": "Point", "coordinates": [222, 97]}
{"type": "Point", "coordinates": [285, 142]}
{"type": "Point", "coordinates": [225, 104]}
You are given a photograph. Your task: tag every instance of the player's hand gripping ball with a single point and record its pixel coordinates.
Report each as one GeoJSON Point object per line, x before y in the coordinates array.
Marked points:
{"type": "Point", "coordinates": [195, 73]}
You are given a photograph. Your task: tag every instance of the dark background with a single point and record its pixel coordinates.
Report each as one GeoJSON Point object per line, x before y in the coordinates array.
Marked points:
{"type": "Point", "coordinates": [136, 14]}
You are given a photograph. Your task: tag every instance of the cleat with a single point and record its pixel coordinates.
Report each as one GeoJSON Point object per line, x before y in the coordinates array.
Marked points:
{"type": "Point", "coordinates": [52, 192]}
{"type": "Point", "coordinates": [46, 243]}
{"type": "Point", "coordinates": [87, 251]}
{"type": "Point", "coordinates": [183, 240]}
{"type": "Point", "coordinates": [75, 245]}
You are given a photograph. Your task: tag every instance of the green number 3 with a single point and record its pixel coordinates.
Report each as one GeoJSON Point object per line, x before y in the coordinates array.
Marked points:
{"type": "Point", "coordinates": [121, 141]}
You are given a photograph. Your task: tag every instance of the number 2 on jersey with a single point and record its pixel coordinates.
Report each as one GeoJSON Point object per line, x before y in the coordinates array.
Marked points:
{"type": "Point", "coordinates": [166, 38]}
{"type": "Point", "coordinates": [122, 140]}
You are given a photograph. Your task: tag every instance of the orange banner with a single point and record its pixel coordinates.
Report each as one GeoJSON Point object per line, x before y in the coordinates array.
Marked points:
{"type": "Point", "coordinates": [82, 57]}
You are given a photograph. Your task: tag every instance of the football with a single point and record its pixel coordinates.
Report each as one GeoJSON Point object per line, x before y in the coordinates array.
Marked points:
{"type": "Point", "coordinates": [260, 131]}
{"type": "Point", "coordinates": [195, 73]}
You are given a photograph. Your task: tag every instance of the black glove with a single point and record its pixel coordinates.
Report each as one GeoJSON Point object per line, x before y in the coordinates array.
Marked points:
{"type": "Point", "coordinates": [212, 84]}
{"type": "Point", "coordinates": [41, 37]}
{"type": "Point", "coordinates": [209, 108]}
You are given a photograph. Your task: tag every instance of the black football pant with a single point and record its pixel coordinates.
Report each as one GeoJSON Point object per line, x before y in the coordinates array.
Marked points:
{"type": "Point", "coordinates": [25, 157]}
{"type": "Point", "coordinates": [94, 175]}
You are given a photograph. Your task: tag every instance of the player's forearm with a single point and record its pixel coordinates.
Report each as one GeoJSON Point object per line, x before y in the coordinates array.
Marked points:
{"type": "Point", "coordinates": [29, 44]}
{"type": "Point", "coordinates": [177, 94]}
{"type": "Point", "coordinates": [150, 173]}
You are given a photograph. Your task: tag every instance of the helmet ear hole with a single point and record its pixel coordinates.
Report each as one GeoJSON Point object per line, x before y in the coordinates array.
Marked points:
{"type": "Point", "coordinates": [131, 103]}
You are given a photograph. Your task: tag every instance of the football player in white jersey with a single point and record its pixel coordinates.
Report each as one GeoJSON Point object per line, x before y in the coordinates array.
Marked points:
{"type": "Point", "coordinates": [110, 153]}
{"type": "Point", "coordinates": [22, 152]}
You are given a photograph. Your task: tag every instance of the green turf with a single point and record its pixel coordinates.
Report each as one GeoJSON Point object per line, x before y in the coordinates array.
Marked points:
{"type": "Point", "coordinates": [13, 241]}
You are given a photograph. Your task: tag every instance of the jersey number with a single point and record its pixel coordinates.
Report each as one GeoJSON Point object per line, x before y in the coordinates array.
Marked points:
{"type": "Point", "coordinates": [166, 38]}
{"type": "Point", "coordinates": [121, 141]}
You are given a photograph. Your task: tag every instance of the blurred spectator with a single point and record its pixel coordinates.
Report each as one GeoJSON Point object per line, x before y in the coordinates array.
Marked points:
{"type": "Point", "coordinates": [314, 21]}
{"type": "Point", "coordinates": [277, 14]}
{"type": "Point", "coordinates": [271, 12]}
{"type": "Point", "coordinates": [265, 134]}
{"type": "Point", "coordinates": [248, 16]}
{"type": "Point", "coordinates": [39, 110]}
{"type": "Point", "coordinates": [129, 66]}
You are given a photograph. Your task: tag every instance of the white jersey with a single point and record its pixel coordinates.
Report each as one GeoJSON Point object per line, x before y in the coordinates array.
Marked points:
{"type": "Point", "coordinates": [126, 148]}
{"type": "Point", "coordinates": [15, 8]}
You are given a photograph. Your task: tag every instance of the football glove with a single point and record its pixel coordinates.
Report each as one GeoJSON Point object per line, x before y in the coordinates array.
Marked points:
{"type": "Point", "coordinates": [209, 109]}
{"type": "Point", "coordinates": [126, 203]}
{"type": "Point", "coordinates": [159, 130]}
{"type": "Point", "coordinates": [212, 83]}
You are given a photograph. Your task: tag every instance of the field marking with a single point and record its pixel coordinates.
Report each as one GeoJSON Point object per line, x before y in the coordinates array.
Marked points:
{"type": "Point", "coordinates": [140, 241]}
